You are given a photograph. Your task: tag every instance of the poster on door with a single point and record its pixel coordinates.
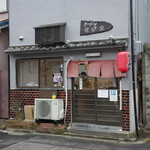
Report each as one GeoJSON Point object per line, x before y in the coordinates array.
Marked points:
{"type": "Point", "coordinates": [113, 95]}
{"type": "Point", "coordinates": [102, 94]}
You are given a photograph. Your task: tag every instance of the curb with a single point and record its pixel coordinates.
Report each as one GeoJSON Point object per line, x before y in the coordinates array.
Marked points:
{"type": "Point", "coordinates": [22, 132]}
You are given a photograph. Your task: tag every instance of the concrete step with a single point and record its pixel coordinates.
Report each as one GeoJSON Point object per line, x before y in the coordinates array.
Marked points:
{"type": "Point", "coordinates": [96, 131]}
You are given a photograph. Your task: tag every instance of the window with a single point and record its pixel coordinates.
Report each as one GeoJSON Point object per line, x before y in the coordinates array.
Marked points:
{"type": "Point", "coordinates": [27, 73]}
{"type": "Point", "coordinates": [51, 73]}
{"type": "Point", "coordinates": [107, 83]}
{"type": "Point", "coordinates": [43, 73]}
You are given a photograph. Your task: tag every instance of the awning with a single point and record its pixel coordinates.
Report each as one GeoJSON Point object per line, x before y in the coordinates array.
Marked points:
{"type": "Point", "coordinates": [3, 23]}
{"type": "Point", "coordinates": [103, 68]}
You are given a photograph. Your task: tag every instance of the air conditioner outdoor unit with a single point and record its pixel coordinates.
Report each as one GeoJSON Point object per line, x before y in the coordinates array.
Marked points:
{"type": "Point", "coordinates": [49, 109]}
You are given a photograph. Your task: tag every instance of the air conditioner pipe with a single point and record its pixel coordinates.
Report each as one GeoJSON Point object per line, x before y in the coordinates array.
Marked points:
{"type": "Point", "coordinates": [120, 95]}
{"type": "Point", "coordinates": [66, 87]}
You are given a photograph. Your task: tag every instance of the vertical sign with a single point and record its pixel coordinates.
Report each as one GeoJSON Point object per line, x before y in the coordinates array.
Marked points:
{"type": "Point", "coordinates": [80, 84]}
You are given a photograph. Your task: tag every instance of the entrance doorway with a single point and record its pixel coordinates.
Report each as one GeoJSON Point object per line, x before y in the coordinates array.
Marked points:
{"type": "Point", "coordinates": [88, 107]}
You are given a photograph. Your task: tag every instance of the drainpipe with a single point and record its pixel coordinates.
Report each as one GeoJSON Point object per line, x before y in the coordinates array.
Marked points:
{"type": "Point", "coordinates": [66, 87]}
{"type": "Point", "coordinates": [133, 72]}
{"type": "Point", "coordinates": [137, 20]}
{"type": "Point", "coordinates": [8, 62]}
{"type": "Point", "coordinates": [9, 86]}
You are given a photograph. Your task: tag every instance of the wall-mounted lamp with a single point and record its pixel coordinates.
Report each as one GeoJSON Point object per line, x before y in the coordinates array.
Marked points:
{"type": "Point", "coordinates": [21, 38]}
{"type": "Point", "coordinates": [112, 39]}
{"type": "Point", "coordinates": [61, 67]}
{"type": "Point", "coordinates": [67, 44]}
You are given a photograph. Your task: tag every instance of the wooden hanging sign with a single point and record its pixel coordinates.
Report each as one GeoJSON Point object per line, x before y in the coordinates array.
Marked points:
{"type": "Point", "coordinates": [92, 27]}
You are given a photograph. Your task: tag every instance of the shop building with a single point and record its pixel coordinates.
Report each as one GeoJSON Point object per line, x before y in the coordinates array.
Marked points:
{"type": "Point", "coordinates": [78, 41]}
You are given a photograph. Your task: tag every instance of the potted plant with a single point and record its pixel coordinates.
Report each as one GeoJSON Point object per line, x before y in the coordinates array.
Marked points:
{"type": "Point", "coordinates": [54, 95]}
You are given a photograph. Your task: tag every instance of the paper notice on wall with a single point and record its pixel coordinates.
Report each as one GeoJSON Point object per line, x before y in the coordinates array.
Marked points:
{"type": "Point", "coordinates": [102, 94]}
{"type": "Point", "coordinates": [57, 77]}
{"type": "Point", "coordinates": [113, 95]}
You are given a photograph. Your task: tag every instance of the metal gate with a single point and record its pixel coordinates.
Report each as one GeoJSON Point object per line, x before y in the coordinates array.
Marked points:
{"type": "Point", "coordinates": [88, 108]}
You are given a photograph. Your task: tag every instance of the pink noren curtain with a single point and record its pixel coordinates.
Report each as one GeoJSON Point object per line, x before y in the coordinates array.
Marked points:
{"type": "Point", "coordinates": [107, 68]}
{"type": "Point", "coordinates": [94, 69]}
{"type": "Point", "coordinates": [72, 70]}
{"type": "Point", "coordinates": [117, 72]}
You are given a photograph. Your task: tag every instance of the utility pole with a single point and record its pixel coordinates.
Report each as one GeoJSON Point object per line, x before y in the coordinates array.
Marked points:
{"type": "Point", "coordinates": [133, 70]}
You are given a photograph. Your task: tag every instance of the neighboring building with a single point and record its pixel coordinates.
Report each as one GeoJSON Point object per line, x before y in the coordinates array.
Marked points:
{"type": "Point", "coordinates": [143, 24]}
{"type": "Point", "coordinates": [43, 37]}
{"type": "Point", "coordinates": [3, 5]}
{"type": "Point", "coordinates": [4, 42]}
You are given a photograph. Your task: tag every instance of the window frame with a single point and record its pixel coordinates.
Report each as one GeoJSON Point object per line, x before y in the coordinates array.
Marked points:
{"type": "Point", "coordinates": [38, 59]}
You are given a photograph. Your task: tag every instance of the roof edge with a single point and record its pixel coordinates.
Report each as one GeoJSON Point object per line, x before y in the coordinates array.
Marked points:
{"type": "Point", "coordinates": [71, 46]}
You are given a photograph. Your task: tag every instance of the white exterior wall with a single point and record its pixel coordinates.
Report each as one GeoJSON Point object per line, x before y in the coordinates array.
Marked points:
{"type": "Point", "coordinates": [24, 15]}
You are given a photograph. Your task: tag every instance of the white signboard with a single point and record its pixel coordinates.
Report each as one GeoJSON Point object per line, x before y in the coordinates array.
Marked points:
{"type": "Point", "coordinates": [113, 95]}
{"type": "Point", "coordinates": [102, 93]}
{"type": "Point", "coordinates": [80, 84]}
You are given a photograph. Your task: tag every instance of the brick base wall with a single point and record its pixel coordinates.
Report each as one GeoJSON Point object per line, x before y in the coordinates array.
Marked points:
{"type": "Point", "coordinates": [62, 95]}
{"type": "Point", "coordinates": [21, 97]}
{"type": "Point", "coordinates": [125, 111]}
{"type": "Point", "coordinates": [27, 97]}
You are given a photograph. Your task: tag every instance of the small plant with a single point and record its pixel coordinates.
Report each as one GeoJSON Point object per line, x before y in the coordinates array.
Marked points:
{"type": "Point", "coordinates": [3, 127]}
{"type": "Point", "coordinates": [61, 131]}
{"type": "Point", "coordinates": [132, 135]}
{"type": "Point", "coordinates": [146, 47]}
{"type": "Point", "coordinates": [16, 107]}
{"type": "Point", "coordinates": [54, 95]}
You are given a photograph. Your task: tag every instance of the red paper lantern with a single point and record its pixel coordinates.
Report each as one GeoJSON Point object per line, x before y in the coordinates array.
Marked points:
{"type": "Point", "coordinates": [123, 61]}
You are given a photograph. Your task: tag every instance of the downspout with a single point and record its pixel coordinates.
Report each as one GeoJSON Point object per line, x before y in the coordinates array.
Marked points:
{"type": "Point", "coordinates": [137, 20]}
{"type": "Point", "coordinates": [8, 60]}
{"type": "Point", "coordinates": [66, 87]}
{"type": "Point", "coordinates": [9, 86]}
{"type": "Point", "coordinates": [133, 73]}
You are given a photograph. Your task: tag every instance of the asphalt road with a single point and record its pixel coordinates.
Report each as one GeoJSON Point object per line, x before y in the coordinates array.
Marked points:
{"type": "Point", "coordinates": [55, 142]}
